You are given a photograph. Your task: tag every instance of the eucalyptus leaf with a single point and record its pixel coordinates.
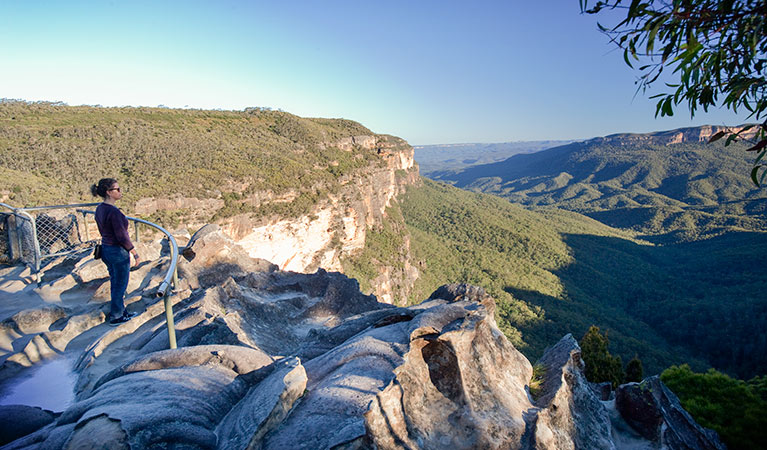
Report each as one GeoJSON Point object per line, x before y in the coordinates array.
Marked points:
{"type": "Point", "coordinates": [717, 51]}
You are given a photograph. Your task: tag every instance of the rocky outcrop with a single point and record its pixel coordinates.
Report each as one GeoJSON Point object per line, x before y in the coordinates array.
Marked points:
{"type": "Point", "coordinates": [678, 136]}
{"type": "Point", "coordinates": [656, 414]}
{"type": "Point", "coordinates": [568, 414]}
{"type": "Point", "coordinates": [272, 359]}
{"type": "Point", "coordinates": [20, 420]}
{"type": "Point", "coordinates": [460, 384]}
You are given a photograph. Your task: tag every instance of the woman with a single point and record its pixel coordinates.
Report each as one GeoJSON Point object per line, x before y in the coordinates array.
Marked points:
{"type": "Point", "coordinates": [115, 245]}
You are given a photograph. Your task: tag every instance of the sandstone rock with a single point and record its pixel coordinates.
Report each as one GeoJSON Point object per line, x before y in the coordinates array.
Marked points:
{"type": "Point", "coordinates": [638, 407]}
{"type": "Point", "coordinates": [216, 258]}
{"type": "Point", "coordinates": [264, 407]}
{"type": "Point", "coordinates": [97, 433]}
{"type": "Point", "coordinates": [341, 385]}
{"type": "Point", "coordinates": [36, 320]}
{"type": "Point", "coordinates": [460, 387]}
{"type": "Point", "coordinates": [169, 405]}
{"type": "Point", "coordinates": [320, 340]}
{"type": "Point", "coordinates": [655, 412]}
{"type": "Point", "coordinates": [91, 269]}
{"type": "Point", "coordinates": [20, 420]}
{"type": "Point", "coordinates": [570, 415]}
{"type": "Point", "coordinates": [459, 292]}
{"type": "Point", "coordinates": [241, 360]}
{"type": "Point", "coordinates": [97, 346]}
{"type": "Point", "coordinates": [151, 250]}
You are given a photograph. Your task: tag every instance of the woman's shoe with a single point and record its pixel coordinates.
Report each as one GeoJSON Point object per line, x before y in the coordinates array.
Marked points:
{"type": "Point", "coordinates": [122, 319]}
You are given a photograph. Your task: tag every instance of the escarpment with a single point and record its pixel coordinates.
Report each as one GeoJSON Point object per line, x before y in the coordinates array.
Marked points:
{"type": "Point", "coordinates": [309, 227]}
{"type": "Point", "coordinates": [336, 227]}
{"type": "Point", "coordinates": [302, 193]}
{"type": "Point", "coordinates": [276, 359]}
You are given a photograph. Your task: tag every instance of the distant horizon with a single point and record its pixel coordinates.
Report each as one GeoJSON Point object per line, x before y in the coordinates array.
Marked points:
{"type": "Point", "coordinates": [456, 144]}
{"type": "Point", "coordinates": [58, 102]}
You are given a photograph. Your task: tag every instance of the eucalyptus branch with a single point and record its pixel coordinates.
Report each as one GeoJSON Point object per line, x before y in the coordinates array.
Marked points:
{"type": "Point", "coordinates": [716, 49]}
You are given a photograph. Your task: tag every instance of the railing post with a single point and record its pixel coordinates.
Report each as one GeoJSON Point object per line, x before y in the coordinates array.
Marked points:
{"type": "Point", "coordinates": [169, 320]}
{"type": "Point", "coordinates": [14, 241]}
{"type": "Point", "coordinates": [18, 237]}
{"type": "Point", "coordinates": [85, 222]}
{"type": "Point", "coordinates": [35, 242]}
{"type": "Point", "coordinates": [135, 231]}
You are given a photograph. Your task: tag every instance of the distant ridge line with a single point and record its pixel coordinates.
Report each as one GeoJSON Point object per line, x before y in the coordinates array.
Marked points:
{"type": "Point", "coordinates": [676, 136]}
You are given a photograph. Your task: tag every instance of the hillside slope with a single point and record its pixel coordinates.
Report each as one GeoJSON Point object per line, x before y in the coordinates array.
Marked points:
{"type": "Point", "coordinates": [300, 192]}
{"type": "Point", "coordinates": [669, 186]}
{"type": "Point", "coordinates": [555, 272]}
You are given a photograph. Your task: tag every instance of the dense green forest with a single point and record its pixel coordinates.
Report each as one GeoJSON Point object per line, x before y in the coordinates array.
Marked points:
{"type": "Point", "coordinates": [52, 153]}
{"type": "Point", "coordinates": [554, 272]}
{"type": "Point", "coordinates": [678, 192]}
{"type": "Point", "coordinates": [736, 409]}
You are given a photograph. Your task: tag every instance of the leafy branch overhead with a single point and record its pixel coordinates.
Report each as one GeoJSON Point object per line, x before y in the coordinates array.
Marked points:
{"type": "Point", "coordinates": [715, 50]}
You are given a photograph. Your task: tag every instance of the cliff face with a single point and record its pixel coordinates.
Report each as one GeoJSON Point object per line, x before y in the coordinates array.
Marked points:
{"type": "Point", "coordinates": [678, 136]}
{"type": "Point", "coordinates": [335, 227]}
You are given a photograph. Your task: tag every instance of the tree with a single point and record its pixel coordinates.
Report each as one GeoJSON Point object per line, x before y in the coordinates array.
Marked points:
{"type": "Point", "coordinates": [601, 366]}
{"type": "Point", "coordinates": [716, 49]}
{"type": "Point", "coordinates": [728, 405]}
{"type": "Point", "coordinates": [634, 370]}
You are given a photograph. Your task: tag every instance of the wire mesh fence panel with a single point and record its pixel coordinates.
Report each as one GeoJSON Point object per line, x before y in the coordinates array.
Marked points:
{"type": "Point", "coordinates": [60, 232]}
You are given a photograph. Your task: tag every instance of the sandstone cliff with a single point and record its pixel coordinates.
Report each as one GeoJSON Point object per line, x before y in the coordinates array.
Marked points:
{"type": "Point", "coordinates": [678, 136]}
{"type": "Point", "coordinates": [332, 229]}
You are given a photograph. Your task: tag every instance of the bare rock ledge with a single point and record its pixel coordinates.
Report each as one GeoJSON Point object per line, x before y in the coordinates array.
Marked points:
{"type": "Point", "coordinates": [274, 360]}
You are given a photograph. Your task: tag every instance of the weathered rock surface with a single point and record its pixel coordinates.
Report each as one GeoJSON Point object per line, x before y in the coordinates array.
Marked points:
{"type": "Point", "coordinates": [570, 414]}
{"type": "Point", "coordinates": [271, 359]}
{"type": "Point", "coordinates": [20, 420]}
{"type": "Point", "coordinates": [655, 413]}
{"type": "Point", "coordinates": [461, 384]}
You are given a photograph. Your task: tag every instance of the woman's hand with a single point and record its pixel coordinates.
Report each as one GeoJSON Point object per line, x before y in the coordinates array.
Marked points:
{"type": "Point", "coordinates": [136, 258]}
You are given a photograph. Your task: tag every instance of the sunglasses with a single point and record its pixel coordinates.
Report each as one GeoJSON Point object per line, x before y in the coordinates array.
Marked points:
{"type": "Point", "coordinates": [114, 189]}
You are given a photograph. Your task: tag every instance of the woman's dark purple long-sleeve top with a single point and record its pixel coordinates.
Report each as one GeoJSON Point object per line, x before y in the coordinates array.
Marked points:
{"type": "Point", "coordinates": [113, 226]}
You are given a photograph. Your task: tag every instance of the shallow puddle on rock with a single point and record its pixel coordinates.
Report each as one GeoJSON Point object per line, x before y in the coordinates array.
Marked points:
{"type": "Point", "coordinates": [49, 386]}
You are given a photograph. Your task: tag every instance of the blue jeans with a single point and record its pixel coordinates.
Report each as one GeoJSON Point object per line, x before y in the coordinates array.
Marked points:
{"type": "Point", "coordinates": [117, 260]}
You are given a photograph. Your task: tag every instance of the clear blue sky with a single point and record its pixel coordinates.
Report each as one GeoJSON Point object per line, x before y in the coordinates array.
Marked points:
{"type": "Point", "coordinates": [428, 71]}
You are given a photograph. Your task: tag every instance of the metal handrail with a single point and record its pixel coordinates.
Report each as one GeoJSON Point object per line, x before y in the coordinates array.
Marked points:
{"type": "Point", "coordinates": [170, 277]}
{"type": "Point", "coordinates": [41, 208]}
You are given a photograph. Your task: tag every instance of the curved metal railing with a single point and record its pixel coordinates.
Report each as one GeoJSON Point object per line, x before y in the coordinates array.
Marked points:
{"type": "Point", "coordinates": [33, 223]}
{"type": "Point", "coordinates": [171, 277]}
